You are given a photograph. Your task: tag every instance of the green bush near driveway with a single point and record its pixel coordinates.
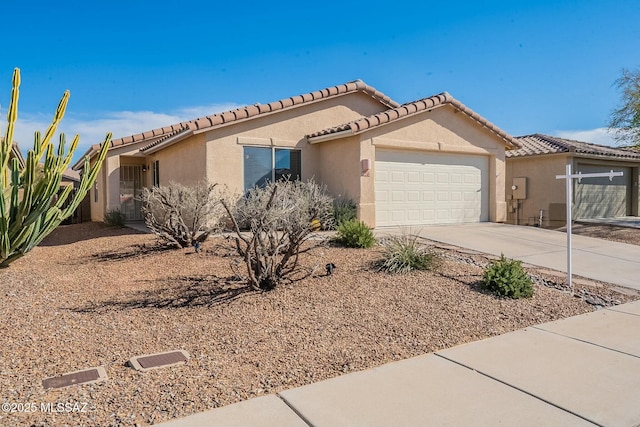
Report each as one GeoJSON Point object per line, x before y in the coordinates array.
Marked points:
{"type": "Point", "coordinates": [506, 277]}
{"type": "Point", "coordinates": [355, 234]}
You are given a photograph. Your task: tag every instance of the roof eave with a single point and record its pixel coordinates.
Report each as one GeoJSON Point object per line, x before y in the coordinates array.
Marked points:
{"type": "Point", "coordinates": [168, 142]}
{"type": "Point", "coordinates": [330, 136]}
{"type": "Point", "coordinates": [92, 151]}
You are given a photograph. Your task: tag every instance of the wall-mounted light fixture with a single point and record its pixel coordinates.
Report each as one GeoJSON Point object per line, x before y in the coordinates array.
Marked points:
{"type": "Point", "coordinates": [144, 168]}
{"type": "Point", "coordinates": [366, 166]}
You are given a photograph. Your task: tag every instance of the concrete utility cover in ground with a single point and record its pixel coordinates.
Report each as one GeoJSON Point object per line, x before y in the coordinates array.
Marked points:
{"type": "Point", "coordinates": [87, 376]}
{"type": "Point", "coordinates": [159, 360]}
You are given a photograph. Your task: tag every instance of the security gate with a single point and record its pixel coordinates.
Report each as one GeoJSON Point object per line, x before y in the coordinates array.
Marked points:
{"type": "Point", "coordinates": [130, 191]}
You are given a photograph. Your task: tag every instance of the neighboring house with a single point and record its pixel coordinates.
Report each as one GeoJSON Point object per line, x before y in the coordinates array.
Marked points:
{"type": "Point", "coordinates": [14, 153]}
{"type": "Point", "coordinates": [431, 161]}
{"type": "Point", "coordinates": [82, 212]}
{"type": "Point", "coordinates": [533, 191]}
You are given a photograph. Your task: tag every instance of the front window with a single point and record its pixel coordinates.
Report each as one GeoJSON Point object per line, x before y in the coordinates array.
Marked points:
{"type": "Point", "coordinates": [263, 165]}
{"type": "Point", "coordinates": [156, 173]}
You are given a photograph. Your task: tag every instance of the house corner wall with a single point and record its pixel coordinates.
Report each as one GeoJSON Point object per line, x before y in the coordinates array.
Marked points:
{"type": "Point", "coordinates": [367, 205]}
{"type": "Point", "coordinates": [544, 192]}
{"type": "Point", "coordinates": [497, 170]}
{"type": "Point", "coordinates": [340, 171]}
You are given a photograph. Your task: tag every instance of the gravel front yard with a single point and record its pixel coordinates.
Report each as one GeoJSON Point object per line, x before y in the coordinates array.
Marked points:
{"type": "Point", "coordinates": [609, 232]}
{"type": "Point", "coordinates": [92, 296]}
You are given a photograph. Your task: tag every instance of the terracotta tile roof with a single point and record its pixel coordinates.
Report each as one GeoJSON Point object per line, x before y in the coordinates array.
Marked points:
{"type": "Point", "coordinates": [163, 138]}
{"type": "Point", "coordinates": [71, 175]}
{"type": "Point", "coordinates": [538, 144]}
{"type": "Point", "coordinates": [412, 108]}
{"type": "Point", "coordinates": [243, 113]}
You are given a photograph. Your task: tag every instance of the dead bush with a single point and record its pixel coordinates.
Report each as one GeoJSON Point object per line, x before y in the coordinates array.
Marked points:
{"type": "Point", "coordinates": [182, 215]}
{"type": "Point", "coordinates": [279, 218]}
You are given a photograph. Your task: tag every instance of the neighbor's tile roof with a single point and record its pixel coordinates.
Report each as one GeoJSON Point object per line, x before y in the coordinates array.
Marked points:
{"type": "Point", "coordinates": [155, 136]}
{"type": "Point", "coordinates": [412, 108]}
{"type": "Point", "coordinates": [15, 152]}
{"type": "Point", "coordinates": [537, 144]}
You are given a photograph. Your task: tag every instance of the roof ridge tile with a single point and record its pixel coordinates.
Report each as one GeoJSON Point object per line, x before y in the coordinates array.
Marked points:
{"type": "Point", "coordinates": [414, 107]}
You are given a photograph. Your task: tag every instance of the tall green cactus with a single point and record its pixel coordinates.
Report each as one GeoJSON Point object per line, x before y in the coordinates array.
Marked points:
{"type": "Point", "coordinates": [31, 204]}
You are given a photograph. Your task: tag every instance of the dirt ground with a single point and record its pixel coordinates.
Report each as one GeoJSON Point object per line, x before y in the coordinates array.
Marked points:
{"type": "Point", "coordinates": [608, 232]}
{"type": "Point", "coordinates": [95, 296]}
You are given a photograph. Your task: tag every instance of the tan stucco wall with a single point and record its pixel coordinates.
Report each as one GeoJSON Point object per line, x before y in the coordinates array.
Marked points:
{"type": "Point", "coordinates": [443, 130]}
{"type": "Point", "coordinates": [184, 162]}
{"type": "Point", "coordinates": [340, 165]}
{"type": "Point", "coordinates": [224, 146]}
{"type": "Point", "coordinates": [97, 203]}
{"type": "Point", "coordinates": [543, 189]}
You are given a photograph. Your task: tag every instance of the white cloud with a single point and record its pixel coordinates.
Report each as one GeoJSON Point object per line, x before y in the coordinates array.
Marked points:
{"type": "Point", "coordinates": [92, 130]}
{"type": "Point", "coordinates": [600, 136]}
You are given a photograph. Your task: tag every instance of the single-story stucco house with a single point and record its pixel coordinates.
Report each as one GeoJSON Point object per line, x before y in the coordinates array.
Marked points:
{"type": "Point", "coordinates": [431, 161]}
{"type": "Point", "coordinates": [533, 192]}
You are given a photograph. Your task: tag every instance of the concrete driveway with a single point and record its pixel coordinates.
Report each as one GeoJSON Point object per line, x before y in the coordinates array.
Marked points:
{"type": "Point", "coordinates": [596, 259]}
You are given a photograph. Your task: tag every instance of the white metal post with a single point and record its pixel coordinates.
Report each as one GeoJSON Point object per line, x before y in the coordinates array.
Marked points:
{"type": "Point", "coordinates": [569, 182]}
{"type": "Point", "coordinates": [569, 179]}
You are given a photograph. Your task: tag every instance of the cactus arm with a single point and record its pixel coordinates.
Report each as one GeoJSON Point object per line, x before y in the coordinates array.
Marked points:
{"type": "Point", "coordinates": [12, 116]}
{"type": "Point", "coordinates": [51, 130]}
{"type": "Point", "coordinates": [31, 203]}
{"type": "Point", "coordinates": [15, 185]}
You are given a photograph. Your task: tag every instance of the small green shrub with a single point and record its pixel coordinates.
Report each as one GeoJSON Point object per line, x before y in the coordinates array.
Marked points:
{"type": "Point", "coordinates": [405, 253]}
{"type": "Point", "coordinates": [344, 210]}
{"type": "Point", "coordinates": [114, 218]}
{"type": "Point", "coordinates": [355, 234]}
{"type": "Point", "coordinates": [507, 278]}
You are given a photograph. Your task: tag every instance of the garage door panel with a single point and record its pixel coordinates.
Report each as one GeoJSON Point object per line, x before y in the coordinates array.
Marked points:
{"type": "Point", "coordinates": [413, 177]}
{"type": "Point", "coordinates": [397, 176]}
{"type": "Point", "coordinates": [599, 197]}
{"type": "Point", "coordinates": [436, 188]}
{"type": "Point", "coordinates": [397, 196]}
{"type": "Point", "coordinates": [413, 196]}
{"type": "Point", "coordinates": [413, 215]}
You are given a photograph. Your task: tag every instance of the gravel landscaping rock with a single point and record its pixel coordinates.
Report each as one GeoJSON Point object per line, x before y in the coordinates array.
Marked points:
{"type": "Point", "coordinates": [614, 233]}
{"type": "Point", "coordinates": [96, 296]}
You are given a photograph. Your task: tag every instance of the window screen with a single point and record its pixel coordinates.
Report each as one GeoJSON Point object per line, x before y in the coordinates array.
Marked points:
{"type": "Point", "coordinates": [287, 164]}
{"type": "Point", "coordinates": [257, 167]}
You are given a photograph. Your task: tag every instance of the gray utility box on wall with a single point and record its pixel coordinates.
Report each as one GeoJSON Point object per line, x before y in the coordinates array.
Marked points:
{"type": "Point", "coordinates": [519, 188]}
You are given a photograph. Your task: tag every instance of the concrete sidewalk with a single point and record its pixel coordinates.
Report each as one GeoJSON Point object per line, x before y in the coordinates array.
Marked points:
{"type": "Point", "coordinates": [596, 259]}
{"type": "Point", "coordinates": [581, 371]}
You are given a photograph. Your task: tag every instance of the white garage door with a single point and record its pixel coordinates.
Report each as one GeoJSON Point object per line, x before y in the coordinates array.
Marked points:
{"type": "Point", "coordinates": [601, 198]}
{"type": "Point", "coordinates": [416, 187]}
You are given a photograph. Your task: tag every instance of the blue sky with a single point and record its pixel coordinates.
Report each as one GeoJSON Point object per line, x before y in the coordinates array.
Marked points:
{"type": "Point", "coordinates": [528, 66]}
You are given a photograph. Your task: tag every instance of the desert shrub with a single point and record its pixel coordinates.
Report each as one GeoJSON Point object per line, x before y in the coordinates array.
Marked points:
{"type": "Point", "coordinates": [344, 210]}
{"type": "Point", "coordinates": [355, 234]}
{"type": "Point", "coordinates": [114, 218]}
{"type": "Point", "coordinates": [507, 278]}
{"type": "Point", "coordinates": [182, 215]}
{"type": "Point", "coordinates": [405, 253]}
{"type": "Point", "coordinates": [280, 218]}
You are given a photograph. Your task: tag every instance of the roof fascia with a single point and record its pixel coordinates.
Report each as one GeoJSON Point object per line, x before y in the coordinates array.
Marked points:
{"type": "Point", "coordinates": [168, 142]}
